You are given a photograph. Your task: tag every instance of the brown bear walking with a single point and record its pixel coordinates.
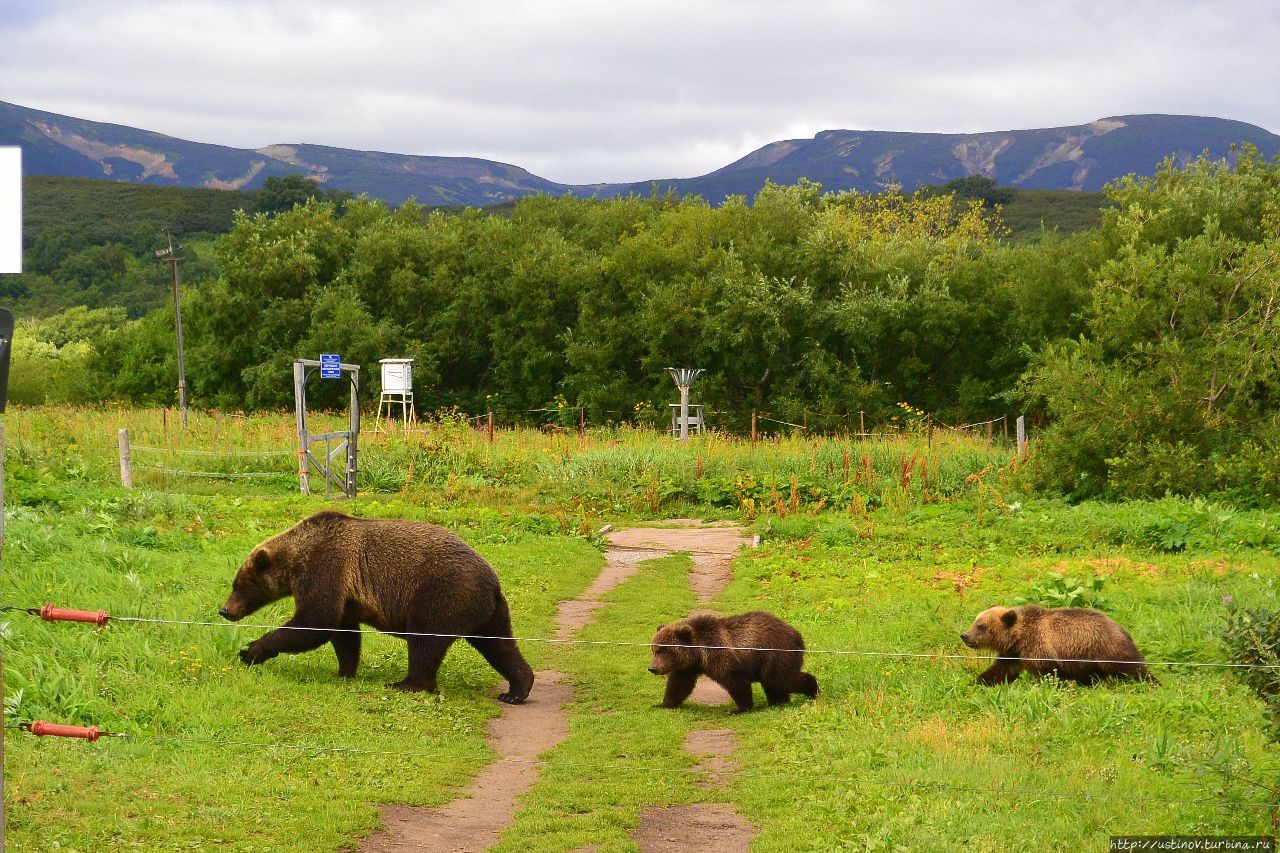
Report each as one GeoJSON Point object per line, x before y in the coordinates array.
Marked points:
{"type": "Point", "coordinates": [1074, 643]}
{"type": "Point", "coordinates": [397, 576]}
{"type": "Point", "coordinates": [766, 650]}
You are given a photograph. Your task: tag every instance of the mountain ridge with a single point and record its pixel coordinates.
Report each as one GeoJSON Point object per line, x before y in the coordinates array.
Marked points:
{"type": "Point", "coordinates": [1081, 157]}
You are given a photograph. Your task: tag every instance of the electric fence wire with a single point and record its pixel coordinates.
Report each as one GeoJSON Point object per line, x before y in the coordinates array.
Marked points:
{"type": "Point", "coordinates": [646, 644]}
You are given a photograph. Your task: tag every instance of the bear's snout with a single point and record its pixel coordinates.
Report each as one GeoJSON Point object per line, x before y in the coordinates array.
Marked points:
{"type": "Point", "coordinates": [964, 637]}
{"type": "Point", "coordinates": [230, 615]}
{"type": "Point", "coordinates": [654, 670]}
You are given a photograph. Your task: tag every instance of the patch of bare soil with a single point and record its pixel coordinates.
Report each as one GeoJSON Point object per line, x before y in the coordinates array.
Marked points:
{"type": "Point", "coordinates": [710, 548]}
{"type": "Point", "coordinates": [619, 566]}
{"type": "Point", "coordinates": [486, 807]}
{"type": "Point", "coordinates": [715, 747]}
{"type": "Point", "coordinates": [701, 827]}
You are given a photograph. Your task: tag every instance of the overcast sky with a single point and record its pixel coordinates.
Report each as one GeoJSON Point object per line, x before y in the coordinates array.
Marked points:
{"type": "Point", "coordinates": [595, 90]}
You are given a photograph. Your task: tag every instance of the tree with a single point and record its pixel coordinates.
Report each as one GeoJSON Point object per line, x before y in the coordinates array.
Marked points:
{"type": "Point", "coordinates": [1175, 384]}
{"type": "Point", "coordinates": [281, 193]}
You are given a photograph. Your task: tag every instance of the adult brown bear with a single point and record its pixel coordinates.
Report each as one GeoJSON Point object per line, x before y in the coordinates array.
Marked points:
{"type": "Point", "coordinates": [734, 652]}
{"type": "Point", "coordinates": [1073, 643]}
{"type": "Point", "coordinates": [403, 577]}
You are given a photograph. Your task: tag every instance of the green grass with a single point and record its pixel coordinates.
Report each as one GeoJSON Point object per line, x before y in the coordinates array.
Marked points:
{"type": "Point", "coordinates": [175, 558]}
{"type": "Point", "coordinates": [896, 753]}
{"type": "Point", "coordinates": [908, 753]}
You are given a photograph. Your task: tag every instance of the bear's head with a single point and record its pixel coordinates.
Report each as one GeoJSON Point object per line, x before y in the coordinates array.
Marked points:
{"type": "Point", "coordinates": [668, 653]}
{"type": "Point", "coordinates": [992, 629]}
{"type": "Point", "coordinates": [263, 579]}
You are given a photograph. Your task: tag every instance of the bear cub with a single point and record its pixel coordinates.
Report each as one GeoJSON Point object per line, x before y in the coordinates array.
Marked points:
{"type": "Point", "coordinates": [766, 650]}
{"type": "Point", "coordinates": [1074, 643]}
{"type": "Point", "coordinates": [401, 577]}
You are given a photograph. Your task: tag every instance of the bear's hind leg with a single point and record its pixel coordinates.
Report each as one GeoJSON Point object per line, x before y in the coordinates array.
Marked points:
{"type": "Point", "coordinates": [505, 657]}
{"type": "Point", "coordinates": [425, 656]}
{"type": "Point", "coordinates": [503, 654]}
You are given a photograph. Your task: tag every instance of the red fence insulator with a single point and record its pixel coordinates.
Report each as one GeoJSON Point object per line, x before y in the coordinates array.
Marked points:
{"type": "Point", "coordinates": [40, 728]}
{"type": "Point", "coordinates": [49, 613]}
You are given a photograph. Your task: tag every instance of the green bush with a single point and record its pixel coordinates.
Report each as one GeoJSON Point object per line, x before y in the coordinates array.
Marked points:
{"type": "Point", "coordinates": [1252, 638]}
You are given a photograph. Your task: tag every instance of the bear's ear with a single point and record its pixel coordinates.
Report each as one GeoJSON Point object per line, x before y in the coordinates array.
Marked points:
{"type": "Point", "coordinates": [1009, 617]}
{"type": "Point", "coordinates": [260, 560]}
{"type": "Point", "coordinates": [684, 634]}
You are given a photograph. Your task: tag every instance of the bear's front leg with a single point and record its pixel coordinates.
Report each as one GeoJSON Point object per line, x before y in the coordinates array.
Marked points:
{"type": "Point", "coordinates": [1002, 671]}
{"type": "Point", "coordinates": [740, 692]}
{"type": "Point", "coordinates": [346, 645]}
{"type": "Point", "coordinates": [679, 686]}
{"type": "Point", "coordinates": [290, 639]}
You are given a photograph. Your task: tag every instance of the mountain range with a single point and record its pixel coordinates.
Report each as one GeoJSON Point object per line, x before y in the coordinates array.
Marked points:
{"type": "Point", "coordinates": [1081, 157]}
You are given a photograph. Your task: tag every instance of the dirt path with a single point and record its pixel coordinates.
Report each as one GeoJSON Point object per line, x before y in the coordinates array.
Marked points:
{"type": "Point", "coordinates": [703, 827]}
{"type": "Point", "coordinates": [715, 827]}
{"type": "Point", "coordinates": [473, 820]}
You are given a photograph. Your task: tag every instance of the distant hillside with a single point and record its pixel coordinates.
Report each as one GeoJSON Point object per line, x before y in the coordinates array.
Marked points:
{"type": "Point", "coordinates": [59, 145]}
{"type": "Point", "coordinates": [1084, 157]}
{"type": "Point", "coordinates": [100, 212]}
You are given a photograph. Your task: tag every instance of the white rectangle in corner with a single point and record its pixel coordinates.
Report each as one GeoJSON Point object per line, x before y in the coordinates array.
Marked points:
{"type": "Point", "coordinates": [10, 209]}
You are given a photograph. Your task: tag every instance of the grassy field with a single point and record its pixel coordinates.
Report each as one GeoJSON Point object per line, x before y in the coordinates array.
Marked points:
{"type": "Point", "coordinates": [895, 552]}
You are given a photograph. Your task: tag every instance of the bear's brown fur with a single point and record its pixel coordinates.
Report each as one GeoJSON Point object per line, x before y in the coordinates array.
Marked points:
{"type": "Point", "coordinates": [1074, 643]}
{"type": "Point", "coordinates": [397, 576]}
{"type": "Point", "coordinates": [766, 650]}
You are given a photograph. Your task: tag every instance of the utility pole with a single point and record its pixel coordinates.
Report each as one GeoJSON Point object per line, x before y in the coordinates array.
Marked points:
{"type": "Point", "coordinates": [170, 257]}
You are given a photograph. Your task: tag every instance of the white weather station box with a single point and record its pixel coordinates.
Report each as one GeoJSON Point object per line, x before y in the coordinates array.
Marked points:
{"type": "Point", "coordinates": [397, 375]}
{"type": "Point", "coordinates": [10, 209]}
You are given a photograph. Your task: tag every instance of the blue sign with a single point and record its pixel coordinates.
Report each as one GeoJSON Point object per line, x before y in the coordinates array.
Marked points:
{"type": "Point", "coordinates": [330, 366]}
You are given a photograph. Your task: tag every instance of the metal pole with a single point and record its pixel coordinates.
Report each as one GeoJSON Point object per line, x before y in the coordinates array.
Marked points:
{"type": "Point", "coordinates": [126, 459]}
{"type": "Point", "coordinates": [300, 411]}
{"type": "Point", "coordinates": [172, 261]}
{"type": "Point", "coordinates": [684, 413]}
{"type": "Point", "coordinates": [352, 440]}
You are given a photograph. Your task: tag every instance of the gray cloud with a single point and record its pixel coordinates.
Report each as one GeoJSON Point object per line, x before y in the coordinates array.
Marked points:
{"type": "Point", "coordinates": [584, 91]}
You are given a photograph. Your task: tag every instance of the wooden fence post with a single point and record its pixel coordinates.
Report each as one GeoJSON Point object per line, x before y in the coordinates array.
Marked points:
{"type": "Point", "coordinates": [491, 426]}
{"type": "Point", "coordinates": [754, 434]}
{"type": "Point", "coordinates": [126, 459]}
{"type": "Point", "coordinates": [1022, 436]}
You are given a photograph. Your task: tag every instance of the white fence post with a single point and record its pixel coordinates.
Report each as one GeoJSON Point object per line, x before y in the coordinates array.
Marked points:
{"type": "Point", "coordinates": [126, 459]}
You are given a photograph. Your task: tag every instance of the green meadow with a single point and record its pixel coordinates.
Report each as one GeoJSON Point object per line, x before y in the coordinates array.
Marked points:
{"type": "Point", "coordinates": [883, 546]}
